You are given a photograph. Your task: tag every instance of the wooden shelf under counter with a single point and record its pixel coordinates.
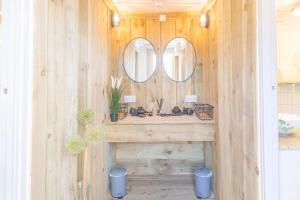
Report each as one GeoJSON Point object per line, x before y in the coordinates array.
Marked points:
{"type": "Point", "coordinates": [160, 129]}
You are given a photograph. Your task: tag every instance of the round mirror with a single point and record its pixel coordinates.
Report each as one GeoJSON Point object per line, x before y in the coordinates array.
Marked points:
{"type": "Point", "coordinates": [179, 59]}
{"type": "Point", "coordinates": [139, 60]}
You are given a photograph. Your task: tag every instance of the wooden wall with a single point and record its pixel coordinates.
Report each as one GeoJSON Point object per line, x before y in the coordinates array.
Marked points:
{"type": "Point", "coordinates": [162, 159]}
{"type": "Point", "coordinates": [73, 58]}
{"type": "Point", "coordinates": [159, 159]}
{"type": "Point", "coordinates": [233, 24]}
{"type": "Point", "coordinates": [160, 33]}
{"type": "Point", "coordinates": [71, 41]}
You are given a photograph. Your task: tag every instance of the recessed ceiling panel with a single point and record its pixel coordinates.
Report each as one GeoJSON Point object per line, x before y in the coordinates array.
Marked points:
{"type": "Point", "coordinates": [159, 5]}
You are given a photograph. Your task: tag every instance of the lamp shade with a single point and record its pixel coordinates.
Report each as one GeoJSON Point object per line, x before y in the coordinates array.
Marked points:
{"type": "Point", "coordinates": [115, 19]}
{"type": "Point", "coordinates": [204, 20]}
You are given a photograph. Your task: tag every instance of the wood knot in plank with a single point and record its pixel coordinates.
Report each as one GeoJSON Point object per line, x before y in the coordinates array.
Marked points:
{"type": "Point", "coordinates": [43, 72]}
{"type": "Point", "coordinates": [257, 171]}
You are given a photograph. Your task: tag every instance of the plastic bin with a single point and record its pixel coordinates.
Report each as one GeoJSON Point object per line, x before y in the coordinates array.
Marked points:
{"type": "Point", "coordinates": [118, 182]}
{"type": "Point", "coordinates": [203, 180]}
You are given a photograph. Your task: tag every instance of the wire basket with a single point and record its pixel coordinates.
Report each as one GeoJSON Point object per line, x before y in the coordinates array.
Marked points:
{"type": "Point", "coordinates": [204, 111]}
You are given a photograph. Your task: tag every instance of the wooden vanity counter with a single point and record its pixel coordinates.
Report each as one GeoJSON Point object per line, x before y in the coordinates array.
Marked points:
{"type": "Point", "coordinates": [160, 129]}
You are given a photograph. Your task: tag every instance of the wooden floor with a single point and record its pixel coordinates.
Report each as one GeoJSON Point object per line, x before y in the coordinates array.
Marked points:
{"type": "Point", "coordinates": [160, 189]}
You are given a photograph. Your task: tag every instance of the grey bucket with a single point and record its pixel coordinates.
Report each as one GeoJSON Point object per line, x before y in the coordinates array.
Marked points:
{"type": "Point", "coordinates": [203, 180]}
{"type": "Point", "coordinates": [118, 182]}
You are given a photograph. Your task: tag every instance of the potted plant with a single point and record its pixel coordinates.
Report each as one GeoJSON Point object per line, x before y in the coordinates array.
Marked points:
{"type": "Point", "coordinates": [115, 97]}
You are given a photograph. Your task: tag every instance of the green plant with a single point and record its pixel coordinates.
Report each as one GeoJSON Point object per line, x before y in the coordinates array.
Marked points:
{"type": "Point", "coordinates": [74, 145]}
{"type": "Point", "coordinates": [85, 117]}
{"type": "Point", "coordinates": [284, 127]}
{"type": "Point", "coordinates": [116, 93]}
{"type": "Point", "coordinates": [79, 144]}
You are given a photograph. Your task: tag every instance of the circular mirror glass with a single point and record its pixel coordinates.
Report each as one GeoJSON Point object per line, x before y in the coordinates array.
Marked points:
{"type": "Point", "coordinates": [179, 59]}
{"type": "Point", "coordinates": [139, 60]}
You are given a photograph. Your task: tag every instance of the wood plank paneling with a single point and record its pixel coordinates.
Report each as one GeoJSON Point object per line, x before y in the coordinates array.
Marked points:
{"type": "Point", "coordinates": [119, 40]}
{"type": "Point", "coordinates": [233, 33]}
{"type": "Point", "coordinates": [39, 103]}
{"type": "Point", "coordinates": [159, 85]}
{"type": "Point", "coordinates": [157, 159]}
{"type": "Point", "coordinates": [98, 56]}
{"type": "Point", "coordinates": [183, 29]}
{"type": "Point", "coordinates": [74, 58]}
{"type": "Point", "coordinates": [168, 87]}
{"type": "Point", "coordinates": [160, 33]}
{"type": "Point", "coordinates": [71, 56]}
{"type": "Point", "coordinates": [62, 91]}
{"type": "Point", "coordinates": [166, 188]}
{"type": "Point", "coordinates": [160, 133]}
{"type": "Point", "coordinates": [138, 29]}
{"type": "Point", "coordinates": [154, 90]}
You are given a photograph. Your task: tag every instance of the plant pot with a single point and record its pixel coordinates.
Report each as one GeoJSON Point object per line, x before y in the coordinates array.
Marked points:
{"type": "Point", "coordinates": [114, 117]}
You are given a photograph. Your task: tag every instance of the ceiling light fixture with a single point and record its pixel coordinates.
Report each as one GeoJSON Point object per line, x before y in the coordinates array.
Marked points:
{"type": "Point", "coordinates": [296, 11]}
{"type": "Point", "coordinates": [204, 20]}
{"type": "Point", "coordinates": [115, 19]}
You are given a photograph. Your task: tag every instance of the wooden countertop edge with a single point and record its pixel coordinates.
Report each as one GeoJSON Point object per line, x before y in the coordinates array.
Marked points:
{"type": "Point", "coordinates": [161, 121]}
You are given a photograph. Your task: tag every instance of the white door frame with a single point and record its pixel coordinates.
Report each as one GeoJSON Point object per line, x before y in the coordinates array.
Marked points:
{"type": "Point", "coordinates": [267, 99]}
{"type": "Point", "coordinates": [15, 75]}
{"type": "Point", "coordinates": [15, 99]}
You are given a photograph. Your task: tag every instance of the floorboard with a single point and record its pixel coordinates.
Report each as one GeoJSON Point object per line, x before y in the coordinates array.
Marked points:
{"type": "Point", "coordinates": [160, 189]}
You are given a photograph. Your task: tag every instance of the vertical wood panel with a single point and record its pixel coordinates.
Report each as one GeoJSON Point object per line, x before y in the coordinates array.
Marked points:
{"type": "Point", "coordinates": [154, 83]}
{"type": "Point", "coordinates": [39, 103]}
{"type": "Point", "coordinates": [138, 29]}
{"type": "Point", "coordinates": [68, 171]}
{"type": "Point", "coordinates": [237, 148]}
{"type": "Point", "coordinates": [200, 41]}
{"type": "Point", "coordinates": [71, 74]}
{"type": "Point", "coordinates": [118, 46]}
{"type": "Point", "coordinates": [168, 86]}
{"type": "Point", "coordinates": [82, 70]}
{"type": "Point", "coordinates": [183, 29]}
{"type": "Point", "coordinates": [62, 97]}
{"type": "Point", "coordinates": [97, 92]}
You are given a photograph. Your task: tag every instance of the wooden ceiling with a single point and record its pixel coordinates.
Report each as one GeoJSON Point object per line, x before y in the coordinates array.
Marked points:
{"type": "Point", "coordinates": [159, 5]}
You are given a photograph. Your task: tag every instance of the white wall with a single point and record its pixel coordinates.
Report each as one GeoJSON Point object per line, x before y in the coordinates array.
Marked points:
{"type": "Point", "coordinates": [288, 39]}
{"type": "Point", "coordinates": [289, 174]}
{"type": "Point", "coordinates": [288, 27]}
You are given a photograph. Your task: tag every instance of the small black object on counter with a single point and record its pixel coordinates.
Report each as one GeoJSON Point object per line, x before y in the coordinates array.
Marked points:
{"type": "Point", "coordinates": [176, 110]}
{"type": "Point", "coordinates": [140, 112]}
{"type": "Point", "coordinates": [133, 112]}
{"type": "Point", "coordinates": [188, 111]}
